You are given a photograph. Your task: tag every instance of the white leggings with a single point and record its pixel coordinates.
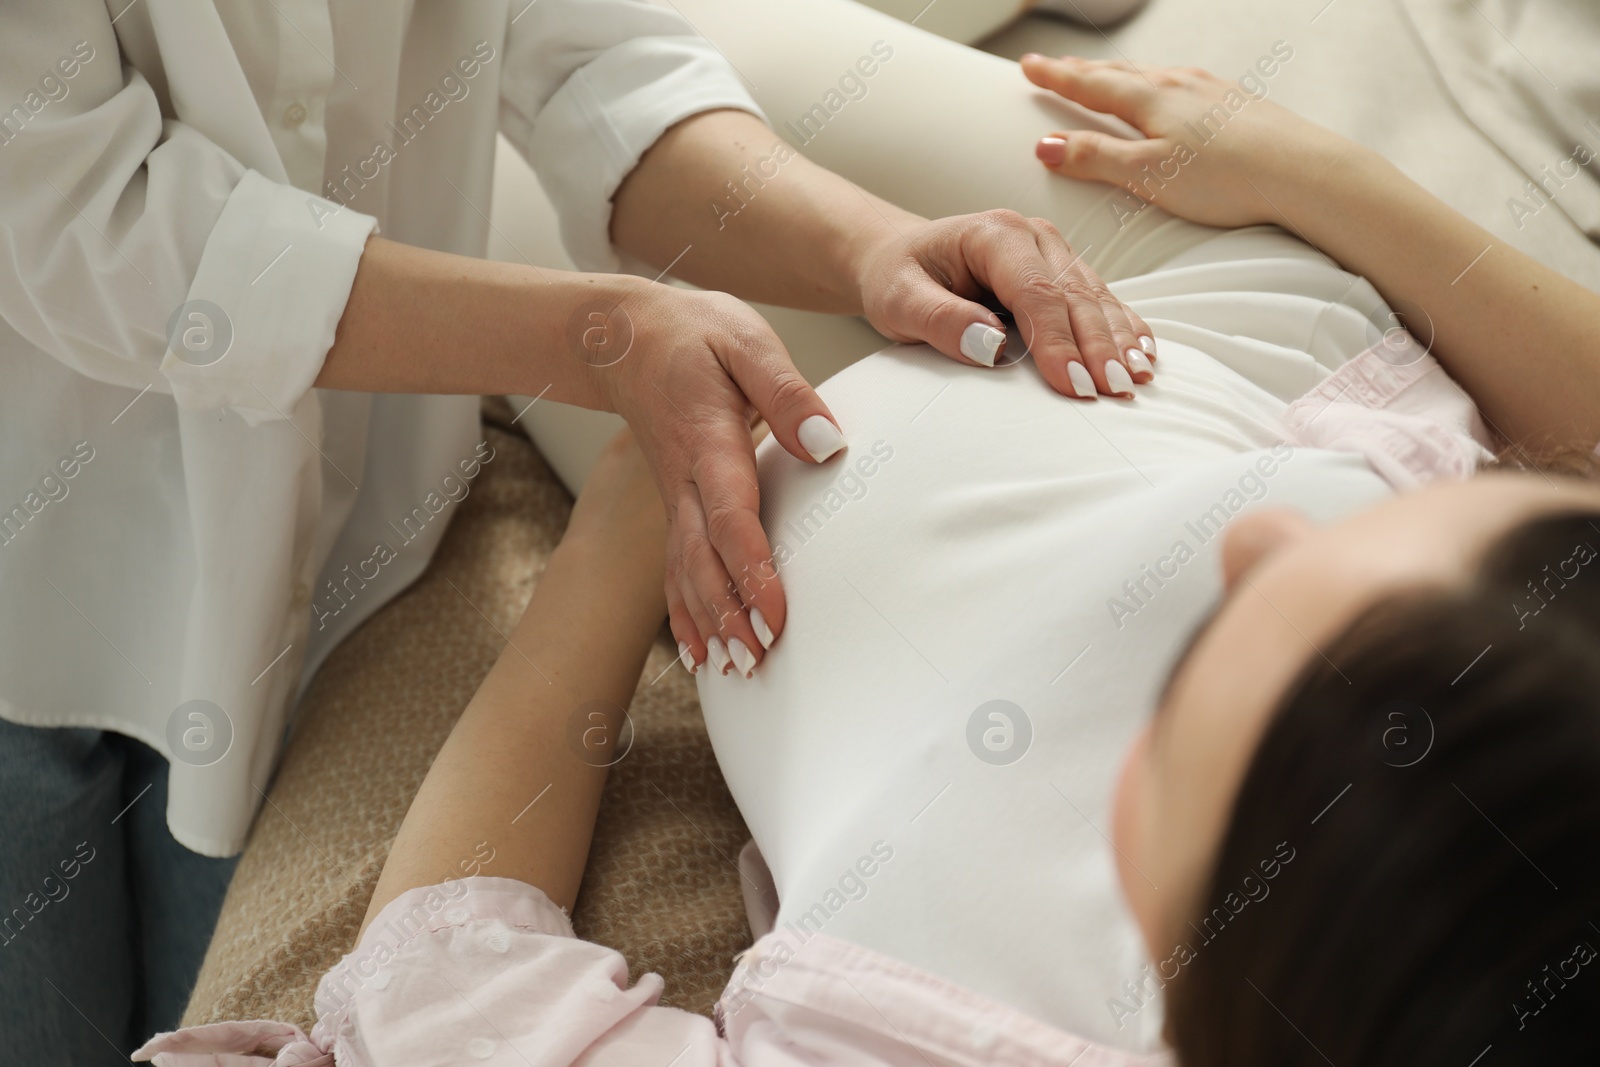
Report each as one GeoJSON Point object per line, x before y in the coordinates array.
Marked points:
{"type": "Point", "coordinates": [941, 129]}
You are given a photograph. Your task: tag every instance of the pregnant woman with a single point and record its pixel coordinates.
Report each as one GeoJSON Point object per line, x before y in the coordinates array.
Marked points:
{"type": "Point", "coordinates": [1359, 827]}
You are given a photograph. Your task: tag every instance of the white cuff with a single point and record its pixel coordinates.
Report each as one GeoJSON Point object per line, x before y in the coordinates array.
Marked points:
{"type": "Point", "coordinates": [271, 287]}
{"type": "Point", "coordinates": [604, 117]}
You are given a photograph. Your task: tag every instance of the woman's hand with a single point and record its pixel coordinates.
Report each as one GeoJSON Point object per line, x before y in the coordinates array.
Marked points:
{"type": "Point", "coordinates": [920, 280]}
{"type": "Point", "coordinates": [695, 368]}
{"type": "Point", "coordinates": [1215, 153]}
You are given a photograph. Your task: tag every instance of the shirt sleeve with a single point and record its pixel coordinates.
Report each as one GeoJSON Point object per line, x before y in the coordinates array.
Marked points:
{"type": "Point", "coordinates": [589, 85]}
{"type": "Point", "coordinates": [1394, 404]}
{"type": "Point", "coordinates": [487, 970]}
{"type": "Point", "coordinates": [140, 253]}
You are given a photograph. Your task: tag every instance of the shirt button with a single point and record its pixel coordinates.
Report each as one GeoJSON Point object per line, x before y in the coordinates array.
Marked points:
{"type": "Point", "coordinates": [302, 594]}
{"type": "Point", "coordinates": [294, 114]}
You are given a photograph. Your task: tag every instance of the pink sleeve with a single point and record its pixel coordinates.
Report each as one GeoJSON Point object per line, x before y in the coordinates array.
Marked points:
{"type": "Point", "coordinates": [471, 971]}
{"type": "Point", "coordinates": [1395, 405]}
{"type": "Point", "coordinates": [487, 970]}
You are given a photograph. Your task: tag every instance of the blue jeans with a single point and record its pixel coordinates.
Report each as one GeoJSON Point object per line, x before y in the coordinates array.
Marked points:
{"type": "Point", "coordinates": [104, 918]}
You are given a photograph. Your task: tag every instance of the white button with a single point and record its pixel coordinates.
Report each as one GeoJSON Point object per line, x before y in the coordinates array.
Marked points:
{"type": "Point", "coordinates": [481, 1048]}
{"type": "Point", "coordinates": [294, 114]}
{"type": "Point", "coordinates": [457, 915]}
{"type": "Point", "coordinates": [498, 937]}
{"type": "Point", "coordinates": [302, 594]}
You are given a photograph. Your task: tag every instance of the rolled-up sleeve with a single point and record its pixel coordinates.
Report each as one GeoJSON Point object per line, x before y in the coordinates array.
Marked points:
{"type": "Point", "coordinates": [475, 970]}
{"type": "Point", "coordinates": [487, 970]}
{"type": "Point", "coordinates": [279, 263]}
{"type": "Point", "coordinates": [140, 253]}
{"type": "Point", "coordinates": [589, 85]}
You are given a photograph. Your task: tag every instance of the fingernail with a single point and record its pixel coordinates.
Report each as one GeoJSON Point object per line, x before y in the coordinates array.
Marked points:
{"type": "Point", "coordinates": [1082, 381]}
{"type": "Point", "coordinates": [743, 658]}
{"type": "Point", "coordinates": [758, 623]}
{"type": "Point", "coordinates": [688, 660]}
{"type": "Point", "coordinates": [1117, 378]}
{"type": "Point", "coordinates": [1149, 345]}
{"type": "Point", "coordinates": [1030, 57]}
{"type": "Point", "coordinates": [1137, 363]}
{"type": "Point", "coordinates": [717, 653]}
{"type": "Point", "coordinates": [820, 437]}
{"type": "Point", "coordinates": [981, 343]}
{"type": "Point", "coordinates": [1052, 151]}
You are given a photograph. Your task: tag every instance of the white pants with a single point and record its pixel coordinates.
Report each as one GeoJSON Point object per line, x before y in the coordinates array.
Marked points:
{"type": "Point", "coordinates": [940, 129]}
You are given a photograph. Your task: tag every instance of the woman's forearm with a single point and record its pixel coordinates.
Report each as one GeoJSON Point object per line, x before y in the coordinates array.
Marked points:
{"type": "Point", "coordinates": [732, 206]}
{"type": "Point", "coordinates": [1518, 336]}
{"type": "Point", "coordinates": [515, 789]}
{"type": "Point", "coordinates": [419, 321]}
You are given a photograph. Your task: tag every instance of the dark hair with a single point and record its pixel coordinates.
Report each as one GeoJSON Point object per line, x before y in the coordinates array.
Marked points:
{"type": "Point", "coordinates": [1435, 779]}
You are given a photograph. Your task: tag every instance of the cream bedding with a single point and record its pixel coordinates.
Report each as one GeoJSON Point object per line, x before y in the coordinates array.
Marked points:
{"type": "Point", "coordinates": [1524, 73]}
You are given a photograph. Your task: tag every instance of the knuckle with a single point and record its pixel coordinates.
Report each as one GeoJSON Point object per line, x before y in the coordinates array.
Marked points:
{"type": "Point", "coordinates": [1054, 338]}
{"type": "Point", "coordinates": [1039, 287]}
{"type": "Point", "coordinates": [1046, 228]}
{"type": "Point", "coordinates": [1077, 287]}
{"type": "Point", "coordinates": [721, 520]}
{"type": "Point", "coordinates": [696, 547]}
{"type": "Point", "coordinates": [1083, 151]}
{"type": "Point", "coordinates": [789, 390]}
{"type": "Point", "coordinates": [1003, 219]}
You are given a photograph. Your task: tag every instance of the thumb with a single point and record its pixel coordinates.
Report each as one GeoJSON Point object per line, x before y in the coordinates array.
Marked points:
{"type": "Point", "coordinates": [961, 329]}
{"type": "Point", "coordinates": [1097, 157]}
{"type": "Point", "coordinates": [798, 418]}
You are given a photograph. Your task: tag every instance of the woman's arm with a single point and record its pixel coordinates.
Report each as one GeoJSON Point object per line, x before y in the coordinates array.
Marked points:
{"type": "Point", "coordinates": [1517, 335]}
{"type": "Point", "coordinates": [520, 776]}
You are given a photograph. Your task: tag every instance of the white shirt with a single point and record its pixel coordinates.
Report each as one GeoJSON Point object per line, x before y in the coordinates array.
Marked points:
{"type": "Point", "coordinates": [982, 540]}
{"type": "Point", "coordinates": [195, 522]}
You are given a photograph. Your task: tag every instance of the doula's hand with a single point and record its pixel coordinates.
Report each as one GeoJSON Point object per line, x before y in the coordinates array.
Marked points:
{"type": "Point", "coordinates": [921, 280]}
{"type": "Point", "coordinates": [699, 367]}
{"type": "Point", "coordinates": [1214, 152]}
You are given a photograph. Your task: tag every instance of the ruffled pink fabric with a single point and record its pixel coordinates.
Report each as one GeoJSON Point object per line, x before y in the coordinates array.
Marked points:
{"type": "Point", "coordinates": [486, 970]}
{"type": "Point", "coordinates": [1395, 405]}
{"type": "Point", "coordinates": [244, 1044]}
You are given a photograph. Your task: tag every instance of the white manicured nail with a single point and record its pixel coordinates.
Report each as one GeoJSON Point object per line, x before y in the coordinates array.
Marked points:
{"type": "Point", "coordinates": [981, 343]}
{"type": "Point", "coordinates": [1082, 382]}
{"type": "Point", "coordinates": [758, 623]}
{"type": "Point", "coordinates": [820, 437]}
{"type": "Point", "coordinates": [743, 658]}
{"type": "Point", "coordinates": [717, 653]}
{"type": "Point", "coordinates": [688, 660]}
{"type": "Point", "coordinates": [1137, 363]}
{"type": "Point", "coordinates": [1148, 344]}
{"type": "Point", "coordinates": [1117, 378]}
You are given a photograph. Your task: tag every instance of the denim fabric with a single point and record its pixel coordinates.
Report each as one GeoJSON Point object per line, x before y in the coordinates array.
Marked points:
{"type": "Point", "coordinates": [104, 918]}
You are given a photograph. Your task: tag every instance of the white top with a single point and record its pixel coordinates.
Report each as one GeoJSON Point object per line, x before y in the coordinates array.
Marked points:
{"type": "Point", "coordinates": [986, 540]}
{"type": "Point", "coordinates": [195, 522]}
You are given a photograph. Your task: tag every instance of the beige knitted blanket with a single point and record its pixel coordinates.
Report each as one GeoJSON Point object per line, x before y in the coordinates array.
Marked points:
{"type": "Point", "coordinates": [662, 884]}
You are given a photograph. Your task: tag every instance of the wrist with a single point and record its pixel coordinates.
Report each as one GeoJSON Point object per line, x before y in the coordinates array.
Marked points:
{"type": "Point", "coordinates": [864, 245]}
{"type": "Point", "coordinates": [1322, 180]}
{"type": "Point", "coordinates": [594, 323]}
